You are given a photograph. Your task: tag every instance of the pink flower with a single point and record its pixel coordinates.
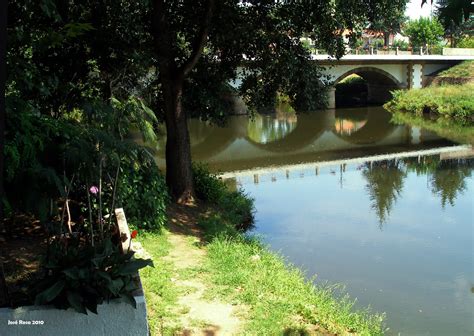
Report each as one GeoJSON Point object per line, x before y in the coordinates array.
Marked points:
{"type": "Point", "coordinates": [94, 190]}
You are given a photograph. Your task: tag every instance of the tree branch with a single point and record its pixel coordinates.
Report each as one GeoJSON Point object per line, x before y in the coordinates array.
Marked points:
{"type": "Point", "coordinates": [199, 42]}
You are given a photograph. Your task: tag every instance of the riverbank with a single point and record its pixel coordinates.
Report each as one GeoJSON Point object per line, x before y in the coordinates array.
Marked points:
{"type": "Point", "coordinates": [210, 277]}
{"type": "Point", "coordinates": [446, 107]}
{"type": "Point", "coordinates": [446, 101]}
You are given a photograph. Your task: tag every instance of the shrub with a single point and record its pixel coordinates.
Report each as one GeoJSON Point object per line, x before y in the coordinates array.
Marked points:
{"type": "Point", "coordinates": [143, 193]}
{"type": "Point", "coordinates": [82, 276]}
{"type": "Point", "coordinates": [208, 187]}
{"type": "Point", "coordinates": [44, 155]}
{"type": "Point", "coordinates": [449, 101]}
{"type": "Point", "coordinates": [236, 207]}
{"type": "Point", "coordinates": [466, 42]}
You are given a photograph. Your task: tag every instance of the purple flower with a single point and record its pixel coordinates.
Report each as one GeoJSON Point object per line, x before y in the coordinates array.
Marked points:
{"type": "Point", "coordinates": [94, 190]}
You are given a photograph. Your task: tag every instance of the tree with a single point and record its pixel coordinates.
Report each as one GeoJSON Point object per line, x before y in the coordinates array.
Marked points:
{"type": "Point", "coordinates": [200, 45]}
{"type": "Point", "coordinates": [424, 31]}
{"type": "Point", "coordinates": [454, 15]}
{"type": "Point", "coordinates": [391, 20]}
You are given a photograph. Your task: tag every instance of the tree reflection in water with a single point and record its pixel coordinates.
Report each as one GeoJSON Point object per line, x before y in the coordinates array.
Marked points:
{"type": "Point", "coordinates": [384, 185]}
{"type": "Point", "coordinates": [448, 179]}
{"type": "Point", "coordinates": [385, 180]}
{"type": "Point", "coordinates": [264, 129]}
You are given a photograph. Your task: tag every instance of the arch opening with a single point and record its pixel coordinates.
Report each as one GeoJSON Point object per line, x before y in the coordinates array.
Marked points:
{"type": "Point", "coordinates": [364, 87]}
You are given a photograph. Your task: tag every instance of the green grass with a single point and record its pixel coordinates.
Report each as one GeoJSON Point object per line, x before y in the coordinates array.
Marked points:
{"type": "Point", "coordinates": [462, 70]}
{"type": "Point", "coordinates": [281, 301]}
{"type": "Point", "coordinates": [275, 297]}
{"type": "Point", "coordinates": [160, 292]}
{"type": "Point", "coordinates": [447, 101]}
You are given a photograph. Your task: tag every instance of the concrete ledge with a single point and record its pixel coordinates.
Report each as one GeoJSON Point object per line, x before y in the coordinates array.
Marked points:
{"type": "Point", "coordinates": [458, 51]}
{"type": "Point", "coordinates": [114, 318]}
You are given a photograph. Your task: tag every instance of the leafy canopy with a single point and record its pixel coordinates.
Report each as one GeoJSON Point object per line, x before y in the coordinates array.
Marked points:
{"type": "Point", "coordinates": [424, 31]}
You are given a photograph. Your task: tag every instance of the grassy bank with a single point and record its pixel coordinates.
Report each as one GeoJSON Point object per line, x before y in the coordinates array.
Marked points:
{"type": "Point", "coordinates": [440, 102]}
{"type": "Point", "coordinates": [281, 300]}
{"type": "Point", "coordinates": [272, 296]}
{"type": "Point", "coordinates": [462, 70]}
{"type": "Point", "coordinates": [447, 101]}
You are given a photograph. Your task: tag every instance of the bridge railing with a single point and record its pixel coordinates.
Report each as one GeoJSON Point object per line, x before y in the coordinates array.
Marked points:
{"type": "Point", "coordinates": [386, 51]}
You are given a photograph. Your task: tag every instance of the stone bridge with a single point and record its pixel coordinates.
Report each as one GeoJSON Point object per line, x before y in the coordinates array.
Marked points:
{"type": "Point", "coordinates": [382, 73]}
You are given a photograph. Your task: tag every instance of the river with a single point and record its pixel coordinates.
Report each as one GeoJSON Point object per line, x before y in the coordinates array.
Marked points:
{"type": "Point", "coordinates": [385, 210]}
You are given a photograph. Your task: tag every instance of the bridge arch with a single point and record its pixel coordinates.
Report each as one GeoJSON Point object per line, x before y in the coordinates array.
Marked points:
{"type": "Point", "coordinates": [374, 87]}
{"type": "Point", "coordinates": [370, 74]}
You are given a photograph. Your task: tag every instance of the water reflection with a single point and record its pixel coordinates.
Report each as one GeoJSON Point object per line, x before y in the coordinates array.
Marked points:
{"type": "Point", "coordinates": [447, 177]}
{"type": "Point", "coordinates": [384, 179]}
{"type": "Point", "coordinates": [264, 129]}
{"type": "Point", "coordinates": [286, 138]}
{"type": "Point", "coordinates": [327, 219]}
{"type": "Point", "coordinates": [384, 185]}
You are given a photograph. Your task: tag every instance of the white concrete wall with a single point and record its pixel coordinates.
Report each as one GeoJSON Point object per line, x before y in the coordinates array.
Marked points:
{"type": "Point", "coordinates": [116, 318]}
{"type": "Point", "coordinates": [458, 51]}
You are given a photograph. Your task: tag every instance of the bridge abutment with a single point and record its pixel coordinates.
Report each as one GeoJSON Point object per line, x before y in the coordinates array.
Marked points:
{"type": "Point", "coordinates": [332, 97]}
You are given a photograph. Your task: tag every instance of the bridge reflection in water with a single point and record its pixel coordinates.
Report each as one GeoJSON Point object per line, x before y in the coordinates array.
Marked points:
{"type": "Point", "coordinates": [282, 139]}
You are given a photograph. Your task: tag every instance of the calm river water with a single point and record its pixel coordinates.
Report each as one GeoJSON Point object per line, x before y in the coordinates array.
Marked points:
{"type": "Point", "coordinates": [385, 210]}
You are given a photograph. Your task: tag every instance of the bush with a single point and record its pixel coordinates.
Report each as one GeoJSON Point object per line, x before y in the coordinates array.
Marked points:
{"type": "Point", "coordinates": [466, 42]}
{"type": "Point", "coordinates": [450, 101]}
{"type": "Point", "coordinates": [83, 276]}
{"type": "Point", "coordinates": [402, 45]}
{"type": "Point", "coordinates": [207, 186]}
{"type": "Point", "coordinates": [236, 207]}
{"type": "Point", "coordinates": [143, 193]}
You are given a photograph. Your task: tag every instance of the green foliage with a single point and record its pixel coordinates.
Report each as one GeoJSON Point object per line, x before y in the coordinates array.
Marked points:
{"type": "Point", "coordinates": [449, 101]}
{"type": "Point", "coordinates": [462, 70]}
{"type": "Point", "coordinates": [466, 42]}
{"type": "Point", "coordinates": [237, 208]}
{"type": "Point", "coordinates": [143, 193]}
{"type": "Point", "coordinates": [43, 154]}
{"type": "Point", "coordinates": [454, 15]}
{"type": "Point", "coordinates": [392, 18]}
{"type": "Point", "coordinates": [278, 294]}
{"type": "Point", "coordinates": [82, 277]}
{"type": "Point", "coordinates": [208, 186]}
{"type": "Point", "coordinates": [402, 45]}
{"type": "Point", "coordinates": [424, 31]}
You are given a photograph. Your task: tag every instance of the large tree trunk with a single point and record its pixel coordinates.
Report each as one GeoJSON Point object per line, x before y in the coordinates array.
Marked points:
{"type": "Point", "coordinates": [179, 176]}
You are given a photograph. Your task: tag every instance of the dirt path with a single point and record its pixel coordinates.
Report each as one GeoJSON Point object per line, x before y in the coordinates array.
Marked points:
{"type": "Point", "coordinates": [198, 316]}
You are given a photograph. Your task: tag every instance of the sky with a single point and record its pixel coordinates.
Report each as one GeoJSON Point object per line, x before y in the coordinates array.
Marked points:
{"type": "Point", "coordinates": [414, 9]}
